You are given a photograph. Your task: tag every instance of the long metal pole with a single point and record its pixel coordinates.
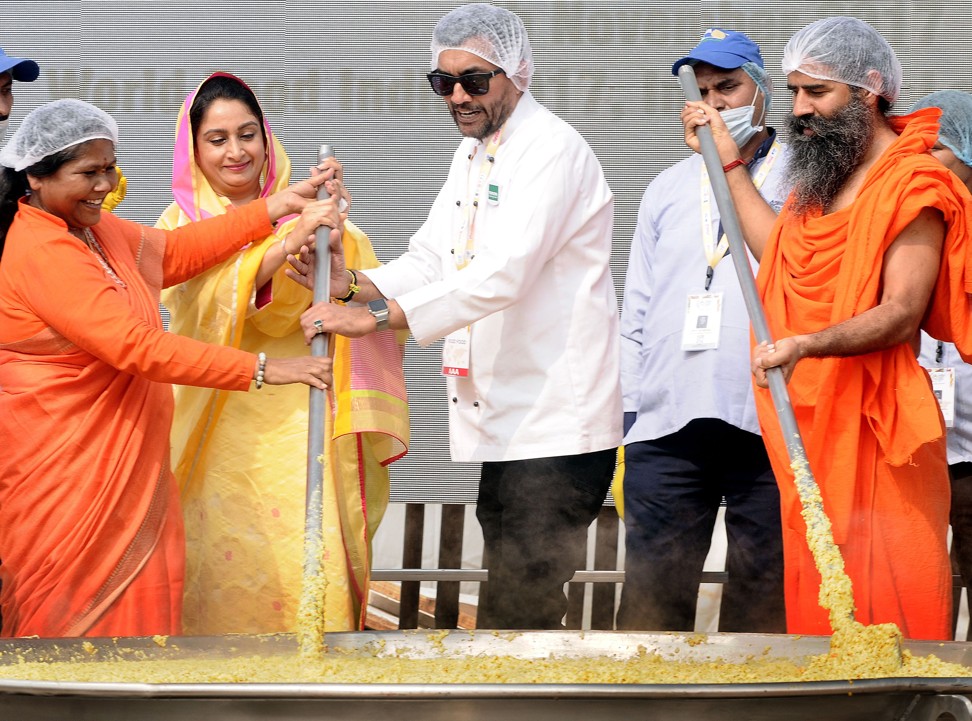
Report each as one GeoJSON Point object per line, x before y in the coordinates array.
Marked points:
{"type": "Point", "coordinates": [819, 533]}
{"type": "Point", "coordinates": [740, 259]}
{"type": "Point", "coordinates": [311, 622]}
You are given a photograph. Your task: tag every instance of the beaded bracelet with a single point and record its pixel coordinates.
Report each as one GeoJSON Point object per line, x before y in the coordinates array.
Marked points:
{"type": "Point", "coordinates": [261, 369]}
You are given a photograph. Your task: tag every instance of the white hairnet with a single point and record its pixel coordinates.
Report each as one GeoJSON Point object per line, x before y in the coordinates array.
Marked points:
{"type": "Point", "coordinates": [494, 34]}
{"type": "Point", "coordinates": [53, 127]}
{"type": "Point", "coordinates": [955, 127]}
{"type": "Point", "coordinates": [845, 50]}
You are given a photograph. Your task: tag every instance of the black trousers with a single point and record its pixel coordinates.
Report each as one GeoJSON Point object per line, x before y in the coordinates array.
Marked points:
{"type": "Point", "coordinates": [535, 514]}
{"type": "Point", "coordinates": [673, 487]}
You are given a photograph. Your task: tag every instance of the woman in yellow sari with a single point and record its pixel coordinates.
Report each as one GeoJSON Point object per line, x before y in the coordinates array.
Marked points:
{"type": "Point", "coordinates": [241, 463]}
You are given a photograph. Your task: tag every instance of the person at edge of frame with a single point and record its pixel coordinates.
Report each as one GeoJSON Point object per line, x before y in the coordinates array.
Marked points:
{"type": "Point", "coordinates": [951, 376]}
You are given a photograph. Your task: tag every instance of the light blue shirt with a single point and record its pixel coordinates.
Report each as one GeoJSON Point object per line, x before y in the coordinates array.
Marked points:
{"type": "Point", "coordinates": [960, 434]}
{"type": "Point", "coordinates": [666, 386]}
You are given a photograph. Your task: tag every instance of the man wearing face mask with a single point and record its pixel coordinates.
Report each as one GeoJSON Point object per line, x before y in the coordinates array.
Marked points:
{"type": "Point", "coordinates": [692, 437]}
{"type": "Point", "coordinates": [20, 69]}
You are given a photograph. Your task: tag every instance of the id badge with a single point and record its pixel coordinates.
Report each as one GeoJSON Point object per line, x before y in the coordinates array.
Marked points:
{"type": "Point", "coordinates": [455, 354]}
{"type": "Point", "coordinates": [943, 385]}
{"type": "Point", "coordinates": [703, 321]}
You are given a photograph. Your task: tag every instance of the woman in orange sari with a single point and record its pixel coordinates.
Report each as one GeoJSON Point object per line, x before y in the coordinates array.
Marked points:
{"type": "Point", "coordinates": [243, 483]}
{"type": "Point", "coordinates": [91, 531]}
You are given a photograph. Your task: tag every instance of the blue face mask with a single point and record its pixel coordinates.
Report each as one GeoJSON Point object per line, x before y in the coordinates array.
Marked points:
{"type": "Point", "coordinates": [739, 121]}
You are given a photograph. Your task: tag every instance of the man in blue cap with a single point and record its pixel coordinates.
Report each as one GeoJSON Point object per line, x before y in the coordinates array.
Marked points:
{"type": "Point", "coordinates": [20, 69]}
{"type": "Point", "coordinates": [691, 433]}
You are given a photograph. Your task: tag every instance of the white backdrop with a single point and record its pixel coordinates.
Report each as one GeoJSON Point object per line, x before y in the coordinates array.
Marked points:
{"type": "Point", "coordinates": [352, 74]}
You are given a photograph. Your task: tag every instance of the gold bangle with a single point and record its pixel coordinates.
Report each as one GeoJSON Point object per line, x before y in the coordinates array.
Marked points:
{"type": "Point", "coordinates": [353, 287]}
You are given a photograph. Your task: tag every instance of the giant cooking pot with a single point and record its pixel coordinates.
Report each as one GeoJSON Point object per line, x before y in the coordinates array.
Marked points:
{"type": "Point", "coordinates": [901, 699]}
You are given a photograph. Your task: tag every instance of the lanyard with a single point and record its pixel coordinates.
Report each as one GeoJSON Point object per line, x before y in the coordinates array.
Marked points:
{"type": "Point", "coordinates": [465, 247]}
{"type": "Point", "coordinates": [714, 253]}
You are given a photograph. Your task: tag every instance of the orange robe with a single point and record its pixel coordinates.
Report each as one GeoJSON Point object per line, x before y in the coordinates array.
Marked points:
{"type": "Point", "coordinates": [91, 536]}
{"type": "Point", "coordinates": [870, 424]}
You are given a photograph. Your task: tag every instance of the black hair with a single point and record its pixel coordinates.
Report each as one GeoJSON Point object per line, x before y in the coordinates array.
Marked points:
{"type": "Point", "coordinates": [221, 87]}
{"type": "Point", "coordinates": [14, 185]}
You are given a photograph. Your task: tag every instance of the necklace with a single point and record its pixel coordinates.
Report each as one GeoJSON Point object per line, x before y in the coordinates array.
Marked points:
{"type": "Point", "coordinates": [95, 247]}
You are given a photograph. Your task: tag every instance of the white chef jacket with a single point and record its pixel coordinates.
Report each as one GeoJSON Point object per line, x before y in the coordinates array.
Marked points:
{"type": "Point", "coordinates": [538, 294]}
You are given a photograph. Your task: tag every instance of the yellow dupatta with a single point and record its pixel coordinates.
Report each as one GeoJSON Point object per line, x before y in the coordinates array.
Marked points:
{"type": "Point", "coordinates": [240, 458]}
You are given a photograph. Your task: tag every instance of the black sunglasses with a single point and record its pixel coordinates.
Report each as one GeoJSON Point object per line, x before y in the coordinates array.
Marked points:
{"type": "Point", "coordinates": [473, 83]}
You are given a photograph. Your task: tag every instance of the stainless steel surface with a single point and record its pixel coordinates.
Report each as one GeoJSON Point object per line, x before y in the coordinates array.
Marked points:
{"type": "Point", "coordinates": [901, 699]}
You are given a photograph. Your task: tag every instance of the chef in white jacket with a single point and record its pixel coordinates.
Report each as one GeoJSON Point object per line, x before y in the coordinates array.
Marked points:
{"type": "Point", "coordinates": [511, 269]}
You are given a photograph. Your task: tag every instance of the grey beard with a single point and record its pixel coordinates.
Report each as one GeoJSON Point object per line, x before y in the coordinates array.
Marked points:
{"type": "Point", "coordinates": [818, 165]}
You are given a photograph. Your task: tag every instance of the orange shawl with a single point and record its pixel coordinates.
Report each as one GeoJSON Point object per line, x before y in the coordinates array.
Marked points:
{"type": "Point", "coordinates": [90, 526]}
{"type": "Point", "coordinates": [870, 423]}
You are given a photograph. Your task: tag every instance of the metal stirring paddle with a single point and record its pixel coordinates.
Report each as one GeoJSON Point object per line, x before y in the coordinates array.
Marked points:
{"type": "Point", "coordinates": [310, 625]}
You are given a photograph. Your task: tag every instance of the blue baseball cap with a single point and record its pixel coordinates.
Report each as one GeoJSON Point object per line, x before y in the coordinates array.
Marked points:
{"type": "Point", "coordinates": [22, 69]}
{"type": "Point", "coordinates": [725, 49]}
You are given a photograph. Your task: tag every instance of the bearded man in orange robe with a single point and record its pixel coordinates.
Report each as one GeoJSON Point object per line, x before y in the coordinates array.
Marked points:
{"type": "Point", "coordinates": [847, 273]}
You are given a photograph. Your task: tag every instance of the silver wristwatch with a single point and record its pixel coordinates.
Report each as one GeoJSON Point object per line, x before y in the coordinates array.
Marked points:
{"type": "Point", "coordinates": [379, 309]}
